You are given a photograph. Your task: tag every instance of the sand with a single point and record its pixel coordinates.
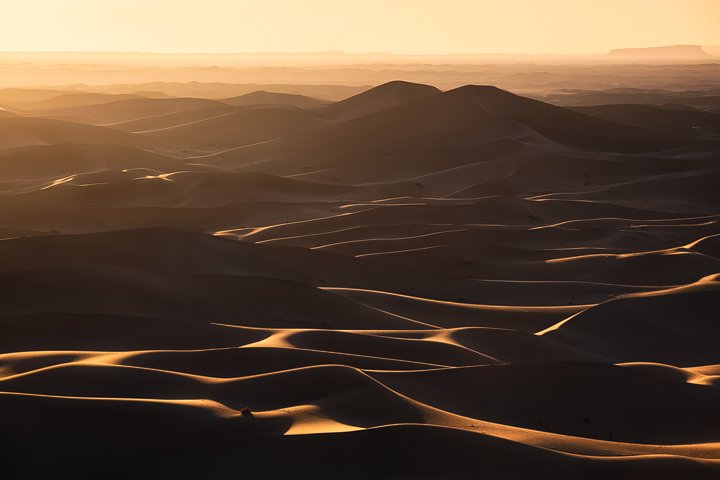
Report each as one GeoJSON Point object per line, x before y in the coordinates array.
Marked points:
{"type": "Point", "coordinates": [406, 283]}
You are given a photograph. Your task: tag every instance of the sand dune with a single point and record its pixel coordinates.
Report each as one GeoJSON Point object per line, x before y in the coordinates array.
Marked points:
{"type": "Point", "coordinates": [261, 97]}
{"type": "Point", "coordinates": [71, 100]}
{"type": "Point", "coordinates": [528, 395]}
{"type": "Point", "coordinates": [383, 97]}
{"type": "Point", "coordinates": [95, 332]}
{"type": "Point", "coordinates": [58, 161]}
{"type": "Point", "coordinates": [237, 300]}
{"type": "Point", "coordinates": [182, 188]}
{"type": "Point", "coordinates": [700, 98]}
{"type": "Point", "coordinates": [407, 283]}
{"type": "Point", "coordinates": [682, 191]}
{"type": "Point", "coordinates": [235, 129]}
{"type": "Point", "coordinates": [663, 119]}
{"type": "Point", "coordinates": [171, 120]}
{"type": "Point", "coordinates": [9, 96]}
{"type": "Point", "coordinates": [134, 108]}
{"type": "Point", "coordinates": [674, 328]}
{"type": "Point", "coordinates": [329, 387]}
{"type": "Point", "coordinates": [479, 114]}
{"type": "Point", "coordinates": [413, 448]}
{"type": "Point", "coordinates": [21, 131]}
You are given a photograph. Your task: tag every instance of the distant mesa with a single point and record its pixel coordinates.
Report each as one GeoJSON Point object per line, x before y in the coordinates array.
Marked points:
{"type": "Point", "coordinates": [670, 52]}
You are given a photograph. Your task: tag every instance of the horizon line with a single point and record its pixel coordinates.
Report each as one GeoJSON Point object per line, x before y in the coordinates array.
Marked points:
{"type": "Point", "coordinates": [344, 52]}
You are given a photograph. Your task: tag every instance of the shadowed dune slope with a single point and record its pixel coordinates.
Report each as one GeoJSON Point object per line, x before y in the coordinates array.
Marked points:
{"type": "Point", "coordinates": [243, 127]}
{"type": "Point", "coordinates": [22, 131]}
{"type": "Point", "coordinates": [72, 100]}
{"type": "Point", "coordinates": [465, 116]}
{"type": "Point", "coordinates": [675, 328]}
{"type": "Point", "coordinates": [405, 284]}
{"type": "Point", "coordinates": [238, 300]}
{"type": "Point", "coordinates": [261, 97]}
{"type": "Point", "coordinates": [176, 189]}
{"type": "Point", "coordinates": [376, 99]}
{"type": "Point", "coordinates": [134, 108]}
{"type": "Point", "coordinates": [59, 161]}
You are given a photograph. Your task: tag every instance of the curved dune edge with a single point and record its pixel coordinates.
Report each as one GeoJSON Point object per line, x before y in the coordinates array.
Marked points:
{"type": "Point", "coordinates": [309, 420]}
{"type": "Point", "coordinates": [312, 419]}
{"type": "Point", "coordinates": [408, 283]}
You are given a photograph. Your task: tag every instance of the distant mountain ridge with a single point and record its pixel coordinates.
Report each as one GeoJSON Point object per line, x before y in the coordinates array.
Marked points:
{"type": "Point", "coordinates": [673, 51]}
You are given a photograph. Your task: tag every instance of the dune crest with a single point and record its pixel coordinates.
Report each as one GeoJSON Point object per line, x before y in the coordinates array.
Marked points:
{"type": "Point", "coordinates": [404, 283]}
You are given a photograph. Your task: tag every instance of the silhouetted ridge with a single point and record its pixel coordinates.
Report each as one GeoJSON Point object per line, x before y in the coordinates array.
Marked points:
{"type": "Point", "coordinates": [261, 97]}
{"type": "Point", "coordinates": [133, 108]}
{"type": "Point", "coordinates": [21, 131]}
{"type": "Point", "coordinates": [470, 115]}
{"type": "Point", "coordinates": [68, 159]}
{"type": "Point", "coordinates": [678, 329]}
{"type": "Point", "coordinates": [667, 52]}
{"type": "Point", "coordinates": [562, 125]}
{"type": "Point", "coordinates": [420, 284]}
{"type": "Point", "coordinates": [379, 98]}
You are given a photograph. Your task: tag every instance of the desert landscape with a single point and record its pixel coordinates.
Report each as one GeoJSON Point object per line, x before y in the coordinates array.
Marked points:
{"type": "Point", "coordinates": [441, 282]}
{"type": "Point", "coordinates": [376, 266]}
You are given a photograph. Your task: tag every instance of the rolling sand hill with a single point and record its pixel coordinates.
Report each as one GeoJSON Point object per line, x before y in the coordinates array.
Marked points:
{"type": "Point", "coordinates": [19, 131]}
{"type": "Point", "coordinates": [404, 284]}
{"type": "Point", "coordinates": [133, 109]}
{"type": "Point", "coordinates": [237, 128]}
{"type": "Point", "coordinates": [464, 117]}
{"type": "Point", "coordinates": [70, 100]}
{"type": "Point", "coordinates": [262, 97]}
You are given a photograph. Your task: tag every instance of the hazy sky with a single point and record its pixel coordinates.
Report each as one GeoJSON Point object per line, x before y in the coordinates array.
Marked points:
{"type": "Point", "coordinates": [401, 26]}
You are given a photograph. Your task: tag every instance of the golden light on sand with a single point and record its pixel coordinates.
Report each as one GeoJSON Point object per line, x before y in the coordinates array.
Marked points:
{"type": "Point", "coordinates": [418, 265]}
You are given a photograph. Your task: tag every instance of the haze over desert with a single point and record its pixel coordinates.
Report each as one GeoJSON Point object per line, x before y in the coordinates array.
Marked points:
{"type": "Point", "coordinates": [289, 253]}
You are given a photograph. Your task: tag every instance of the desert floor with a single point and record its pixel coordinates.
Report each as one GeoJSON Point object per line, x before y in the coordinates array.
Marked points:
{"type": "Point", "coordinates": [407, 283]}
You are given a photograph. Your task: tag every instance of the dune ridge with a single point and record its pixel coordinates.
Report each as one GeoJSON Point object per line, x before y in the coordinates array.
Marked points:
{"type": "Point", "coordinates": [406, 283]}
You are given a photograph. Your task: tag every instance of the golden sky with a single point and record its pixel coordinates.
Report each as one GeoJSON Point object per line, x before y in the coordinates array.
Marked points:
{"type": "Point", "coordinates": [400, 26]}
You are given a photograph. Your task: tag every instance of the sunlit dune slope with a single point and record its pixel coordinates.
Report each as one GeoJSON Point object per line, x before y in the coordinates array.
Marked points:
{"type": "Point", "coordinates": [406, 283]}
